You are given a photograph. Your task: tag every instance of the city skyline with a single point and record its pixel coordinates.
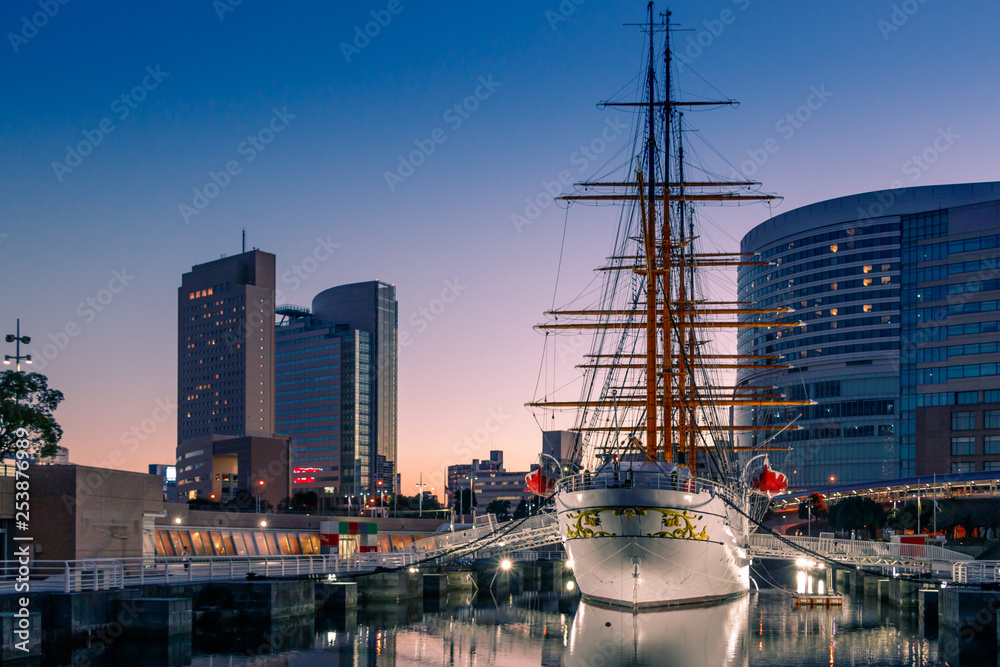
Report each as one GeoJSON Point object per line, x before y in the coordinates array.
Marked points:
{"type": "Point", "coordinates": [423, 154]}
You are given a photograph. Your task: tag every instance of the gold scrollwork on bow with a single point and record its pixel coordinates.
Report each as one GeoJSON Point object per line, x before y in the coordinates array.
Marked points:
{"type": "Point", "coordinates": [583, 519]}
{"type": "Point", "coordinates": [584, 523]}
{"type": "Point", "coordinates": [681, 524]}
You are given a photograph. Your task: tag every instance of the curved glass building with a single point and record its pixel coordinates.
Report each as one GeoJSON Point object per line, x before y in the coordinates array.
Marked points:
{"type": "Point", "coordinates": [893, 335]}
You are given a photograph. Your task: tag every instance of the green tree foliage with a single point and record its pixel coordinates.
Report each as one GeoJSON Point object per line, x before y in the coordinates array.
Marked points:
{"type": "Point", "coordinates": [969, 513]}
{"type": "Point", "coordinates": [522, 510]}
{"type": "Point", "coordinates": [904, 517]}
{"type": "Point", "coordinates": [857, 513]}
{"type": "Point", "coordinates": [815, 505]}
{"type": "Point", "coordinates": [501, 508]}
{"type": "Point", "coordinates": [465, 500]}
{"type": "Point", "coordinates": [26, 402]}
{"type": "Point", "coordinates": [410, 505]}
{"type": "Point", "coordinates": [240, 502]}
{"type": "Point", "coordinates": [301, 501]}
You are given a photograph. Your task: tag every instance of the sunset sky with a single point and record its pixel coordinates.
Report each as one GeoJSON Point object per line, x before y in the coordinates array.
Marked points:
{"type": "Point", "coordinates": [137, 140]}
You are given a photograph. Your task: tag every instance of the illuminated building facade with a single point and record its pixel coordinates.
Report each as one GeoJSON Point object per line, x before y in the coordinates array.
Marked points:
{"type": "Point", "coordinates": [897, 293]}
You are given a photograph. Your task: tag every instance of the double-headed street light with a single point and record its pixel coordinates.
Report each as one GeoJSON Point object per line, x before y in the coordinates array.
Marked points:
{"type": "Point", "coordinates": [17, 357]}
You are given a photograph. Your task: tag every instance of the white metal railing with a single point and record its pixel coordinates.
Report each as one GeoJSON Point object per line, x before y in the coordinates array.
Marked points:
{"type": "Point", "coordinates": [644, 479]}
{"type": "Point", "coordinates": [536, 531]}
{"type": "Point", "coordinates": [445, 542]}
{"type": "Point", "coordinates": [976, 571]}
{"type": "Point", "coordinates": [97, 574]}
{"type": "Point", "coordinates": [854, 551]}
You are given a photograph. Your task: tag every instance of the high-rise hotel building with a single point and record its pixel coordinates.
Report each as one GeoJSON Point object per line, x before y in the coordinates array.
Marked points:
{"type": "Point", "coordinates": [336, 389]}
{"type": "Point", "coordinates": [898, 292]}
{"type": "Point", "coordinates": [225, 339]}
{"type": "Point", "coordinates": [225, 382]}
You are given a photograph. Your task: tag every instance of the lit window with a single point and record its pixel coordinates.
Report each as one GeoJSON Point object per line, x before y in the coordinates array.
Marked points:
{"type": "Point", "coordinates": [867, 268]}
{"type": "Point", "coordinates": [886, 280]}
{"type": "Point", "coordinates": [866, 282]}
{"type": "Point", "coordinates": [867, 308]}
{"type": "Point", "coordinates": [834, 247]}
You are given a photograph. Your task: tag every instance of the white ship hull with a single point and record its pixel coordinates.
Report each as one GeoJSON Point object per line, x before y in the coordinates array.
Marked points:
{"type": "Point", "coordinates": [653, 547]}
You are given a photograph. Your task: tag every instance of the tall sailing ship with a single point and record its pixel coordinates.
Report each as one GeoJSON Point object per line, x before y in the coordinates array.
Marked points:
{"type": "Point", "coordinates": [657, 501]}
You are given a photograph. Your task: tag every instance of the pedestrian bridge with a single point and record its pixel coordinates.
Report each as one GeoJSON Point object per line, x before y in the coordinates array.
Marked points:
{"type": "Point", "coordinates": [487, 538]}
{"type": "Point", "coordinates": [101, 574]}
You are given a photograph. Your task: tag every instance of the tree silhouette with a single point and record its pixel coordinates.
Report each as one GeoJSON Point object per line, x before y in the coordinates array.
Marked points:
{"type": "Point", "coordinates": [27, 403]}
{"type": "Point", "coordinates": [501, 508]}
{"type": "Point", "coordinates": [857, 513]}
{"type": "Point", "coordinates": [465, 500]}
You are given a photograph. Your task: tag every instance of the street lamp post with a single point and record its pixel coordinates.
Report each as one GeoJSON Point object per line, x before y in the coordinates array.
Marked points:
{"type": "Point", "coordinates": [472, 496]}
{"type": "Point", "coordinates": [420, 492]}
{"type": "Point", "coordinates": [260, 487]}
{"type": "Point", "coordinates": [380, 498]}
{"type": "Point", "coordinates": [18, 338]}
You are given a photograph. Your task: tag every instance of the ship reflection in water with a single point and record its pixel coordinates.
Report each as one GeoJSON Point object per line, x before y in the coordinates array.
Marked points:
{"type": "Point", "coordinates": [549, 630]}
{"type": "Point", "coordinates": [713, 636]}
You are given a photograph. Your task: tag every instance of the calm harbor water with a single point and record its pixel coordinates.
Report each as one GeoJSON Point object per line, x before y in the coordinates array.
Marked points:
{"type": "Point", "coordinates": [551, 630]}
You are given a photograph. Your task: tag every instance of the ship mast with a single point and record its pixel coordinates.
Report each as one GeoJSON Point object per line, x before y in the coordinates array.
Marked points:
{"type": "Point", "coordinates": [649, 242]}
{"type": "Point", "coordinates": [672, 312]}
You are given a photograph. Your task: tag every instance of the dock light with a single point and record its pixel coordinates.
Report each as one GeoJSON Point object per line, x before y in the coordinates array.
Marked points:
{"type": "Point", "coordinates": [177, 520]}
{"type": "Point", "coordinates": [570, 585]}
{"type": "Point", "coordinates": [505, 564]}
{"type": "Point", "coordinates": [413, 570]}
{"type": "Point", "coordinates": [263, 524]}
{"type": "Point", "coordinates": [569, 563]}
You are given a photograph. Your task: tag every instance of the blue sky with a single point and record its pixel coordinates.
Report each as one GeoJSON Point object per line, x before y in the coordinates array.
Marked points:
{"type": "Point", "coordinates": [886, 79]}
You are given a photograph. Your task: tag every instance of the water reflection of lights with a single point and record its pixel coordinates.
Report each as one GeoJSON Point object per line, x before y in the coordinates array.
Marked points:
{"type": "Point", "coordinates": [542, 630]}
{"type": "Point", "coordinates": [805, 582]}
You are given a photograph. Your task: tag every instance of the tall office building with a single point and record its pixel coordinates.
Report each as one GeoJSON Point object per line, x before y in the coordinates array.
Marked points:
{"type": "Point", "coordinates": [898, 293]}
{"type": "Point", "coordinates": [337, 390]}
{"type": "Point", "coordinates": [225, 382]}
{"type": "Point", "coordinates": [225, 341]}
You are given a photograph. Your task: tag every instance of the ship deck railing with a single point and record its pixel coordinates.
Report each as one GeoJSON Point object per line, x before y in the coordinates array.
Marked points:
{"type": "Point", "coordinates": [646, 479]}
